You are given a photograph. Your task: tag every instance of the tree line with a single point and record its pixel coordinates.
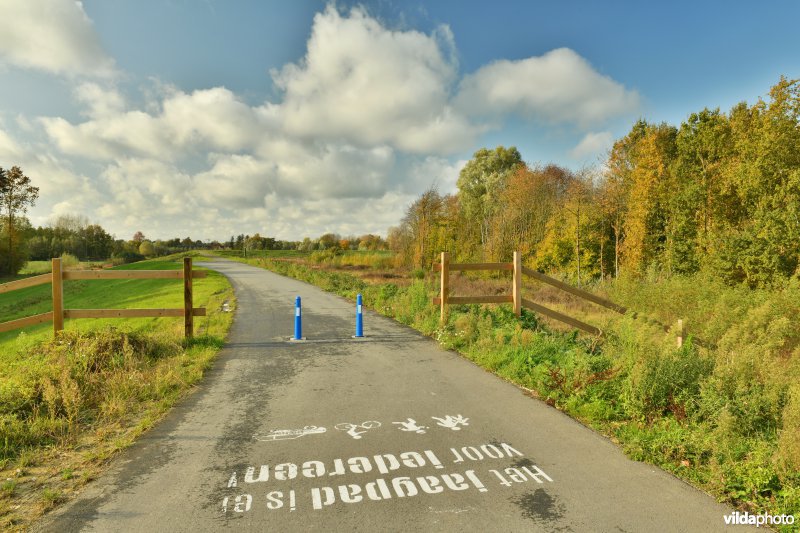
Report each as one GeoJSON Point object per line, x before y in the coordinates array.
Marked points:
{"type": "Point", "coordinates": [76, 236]}
{"type": "Point", "coordinates": [719, 193]}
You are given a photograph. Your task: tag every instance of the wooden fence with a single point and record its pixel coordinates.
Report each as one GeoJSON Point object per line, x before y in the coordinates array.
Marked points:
{"type": "Point", "coordinates": [444, 298]}
{"type": "Point", "coordinates": [515, 298]}
{"type": "Point", "coordinates": [58, 314]}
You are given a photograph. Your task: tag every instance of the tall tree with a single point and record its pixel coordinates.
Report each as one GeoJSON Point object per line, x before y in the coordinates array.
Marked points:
{"type": "Point", "coordinates": [652, 158]}
{"type": "Point", "coordinates": [697, 202]}
{"type": "Point", "coordinates": [16, 194]}
{"type": "Point", "coordinates": [481, 182]}
{"type": "Point", "coordinates": [579, 194]}
{"type": "Point", "coordinates": [422, 221]}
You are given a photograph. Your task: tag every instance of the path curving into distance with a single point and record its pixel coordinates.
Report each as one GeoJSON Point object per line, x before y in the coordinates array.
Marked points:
{"type": "Point", "coordinates": [388, 433]}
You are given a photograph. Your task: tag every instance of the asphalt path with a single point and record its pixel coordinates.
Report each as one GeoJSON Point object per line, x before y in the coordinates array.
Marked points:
{"type": "Point", "coordinates": [385, 433]}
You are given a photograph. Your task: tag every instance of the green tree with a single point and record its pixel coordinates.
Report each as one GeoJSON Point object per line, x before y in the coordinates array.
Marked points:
{"type": "Point", "coordinates": [760, 244]}
{"type": "Point", "coordinates": [99, 243]}
{"type": "Point", "coordinates": [699, 201]}
{"type": "Point", "coordinates": [16, 194]}
{"type": "Point", "coordinates": [481, 182]}
{"type": "Point", "coordinates": [147, 249]}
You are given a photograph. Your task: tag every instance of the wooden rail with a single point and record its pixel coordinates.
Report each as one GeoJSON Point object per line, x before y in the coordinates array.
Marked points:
{"type": "Point", "coordinates": [25, 283]}
{"type": "Point", "coordinates": [128, 274]}
{"type": "Point", "coordinates": [574, 322]}
{"type": "Point", "coordinates": [27, 321]}
{"type": "Point", "coordinates": [453, 267]}
{"type": "Point", "coordinates": [574, 290]}
{"type": "Point", "coordinates": [498, 299]}
{"type": "Point", "coordinates": [515, 298]}
{"type": "Point", "coordinates": [58, 314]}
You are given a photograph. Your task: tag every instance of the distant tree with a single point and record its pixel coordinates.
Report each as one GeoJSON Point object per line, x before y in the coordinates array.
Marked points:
{"type": "Point", "coordinates": [138, 237]}
{"type": "Point", "coordinates": [306, 245]}
{"type": "Point", "coordinates": [16, 194]}
{"type": "Point", "coordinates": [371, 242]}
{"type": "Point", "coordinates": [254, 242]}
{"type": "Point", "coordinates": [187, 243]}
{"type": "Point", "coordinates": [329, 240]}
{"type": "Point", "coordinates": [147, 249]}
{"type": "Point", "coordinates": [397, 239]}
{"type": "Point", "coordinates": [39, 248]}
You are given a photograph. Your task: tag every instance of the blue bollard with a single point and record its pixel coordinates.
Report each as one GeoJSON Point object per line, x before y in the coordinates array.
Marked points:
{"type": "Point", "coordinates": [298, 320]}
{"type": "Point", "coordinates": [359, 318]}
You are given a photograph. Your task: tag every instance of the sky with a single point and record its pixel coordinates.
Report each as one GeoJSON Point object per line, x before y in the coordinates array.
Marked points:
{"type": "Point", "coordinates": [212, 118]}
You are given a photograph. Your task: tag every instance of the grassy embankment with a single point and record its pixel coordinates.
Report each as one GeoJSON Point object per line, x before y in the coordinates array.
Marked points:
{"type": "Point", "coordinates": [726, 418]}
{"type": "Point", "coordinates": [69, 404]}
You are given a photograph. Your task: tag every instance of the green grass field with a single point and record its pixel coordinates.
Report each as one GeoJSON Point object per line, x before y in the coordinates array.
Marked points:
{"type": "Point", "coordinates": [68, 403]}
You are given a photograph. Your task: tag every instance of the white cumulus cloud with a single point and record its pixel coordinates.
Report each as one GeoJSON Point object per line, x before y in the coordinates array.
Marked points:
{"type": "Point", "coordinates": [559, 86]}
{"type": "Point", "coordinates": [592, 144]}
{"type": "Point", "coordinates": [362, 82]}
{"type": "Point", "coordinates": [210, 119]}
{"type": "Point", "coordinates": [51, 35]}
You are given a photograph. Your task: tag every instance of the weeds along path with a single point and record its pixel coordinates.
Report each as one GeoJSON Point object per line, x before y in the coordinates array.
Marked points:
{"type": "Point", "coordinates": [389, 432]}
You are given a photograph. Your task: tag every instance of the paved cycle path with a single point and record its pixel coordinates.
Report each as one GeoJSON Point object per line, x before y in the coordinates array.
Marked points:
{"type": "Point", "coordinates": [388, 433]}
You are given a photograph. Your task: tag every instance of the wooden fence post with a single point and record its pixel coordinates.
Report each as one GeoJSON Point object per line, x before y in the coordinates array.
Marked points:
{"type": "Point", "coordinates": [516, 290]}
{"type": "Point", "coordinates": [58, 296]}
{"type": "Point", "coordinates": [680, 333]}
{"type": "Point", "coordinates": [188, 318]}
{"type": "Point", "coordinates": [444, 289]}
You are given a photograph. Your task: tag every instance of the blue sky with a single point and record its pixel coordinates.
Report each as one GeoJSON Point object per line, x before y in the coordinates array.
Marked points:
{"type": "Point", "coordinates": [297, 118]}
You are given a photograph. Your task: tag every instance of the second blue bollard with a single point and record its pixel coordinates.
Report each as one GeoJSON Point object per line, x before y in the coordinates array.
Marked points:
{"type": "Point", "coordinates": [359, 318]}
{"type": "Point", "coordinates": [298, 320]}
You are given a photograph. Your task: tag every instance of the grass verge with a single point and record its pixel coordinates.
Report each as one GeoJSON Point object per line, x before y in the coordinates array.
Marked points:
{"type": "Point", "coordinates": [68, 404]}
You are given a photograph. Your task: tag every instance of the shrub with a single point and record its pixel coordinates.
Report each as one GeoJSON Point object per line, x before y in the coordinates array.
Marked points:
{"type": "Point", "coordinates": [325, 256]}
{"type": "Point", "coordinates": [80, 375]}
{"type": "Point", "coordinates": [788, 453]}
{"type": "Point", "coordinates": [128, 257]}
{"type": "Point", "coordinates": [69, 260]}
{"type": "Point", "coordinates": [666, 381]}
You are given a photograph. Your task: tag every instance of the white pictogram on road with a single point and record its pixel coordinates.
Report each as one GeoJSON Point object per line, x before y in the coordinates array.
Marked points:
{"type": "Point", "coordinates": [411, 425]}
{"type": "Point", "coordinates": [452, 422]}
{"type": "Point", "coordinates": [351, 428]}
{"type": "Point", "coordinates": [286, 434]}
